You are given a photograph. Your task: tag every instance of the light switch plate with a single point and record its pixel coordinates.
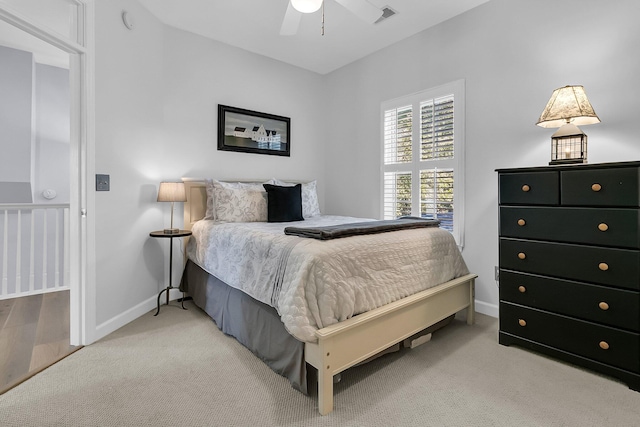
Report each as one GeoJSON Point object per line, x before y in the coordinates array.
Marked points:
{"type": "Point", "coordinates": [102, 182]}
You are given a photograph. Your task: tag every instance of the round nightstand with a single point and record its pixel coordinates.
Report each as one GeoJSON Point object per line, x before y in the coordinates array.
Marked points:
{"type": "Point", "coordinates": [170, 236]}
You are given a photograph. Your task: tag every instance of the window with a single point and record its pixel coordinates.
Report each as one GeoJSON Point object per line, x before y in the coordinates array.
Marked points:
{"type": "Point", "coordinates": [423, 153]}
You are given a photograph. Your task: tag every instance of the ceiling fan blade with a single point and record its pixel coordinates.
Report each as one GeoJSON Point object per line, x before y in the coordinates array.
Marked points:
{"type": "Point", "coordinates": [291, 21]}
{"type": "Point", "coordinates": [362, 9]}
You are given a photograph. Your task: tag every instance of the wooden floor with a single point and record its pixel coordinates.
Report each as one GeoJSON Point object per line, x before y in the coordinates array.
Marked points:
{"type": "Point", "coordinates": [34, 334]}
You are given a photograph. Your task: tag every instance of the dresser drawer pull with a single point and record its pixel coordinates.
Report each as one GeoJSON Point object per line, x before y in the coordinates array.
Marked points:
{"type": "Point", "coordinates": [603, 306]}
{"type": "Point", "coordinates": [521, 222]}
{"type": "Point", "coordinates": [604, 345]}
{"type": "Point", "coordinates": [596, 187]}
{"type": "Point", "coordinates": [522, 255]}
{"type": "Point", "coordinates": [603, 227]}
{"type": "Point", "coordinates": [522, 322]}
{"type": "Point", "coordinates": [522, 289]}
{"type": "Point", "coordinates": [603, 266]}
{"type": "Point", "coordinates": [526, 188]}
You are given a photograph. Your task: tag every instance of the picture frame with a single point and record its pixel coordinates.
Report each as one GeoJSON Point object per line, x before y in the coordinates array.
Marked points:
{"type": "Point", "coordinates": [250, 131]}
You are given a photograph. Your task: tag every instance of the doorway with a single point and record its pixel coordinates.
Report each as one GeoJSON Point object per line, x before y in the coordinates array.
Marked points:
{"type": "Point", "coordinates": [34, 205]}
{"type": "Point", "coordinates": [44, 20]}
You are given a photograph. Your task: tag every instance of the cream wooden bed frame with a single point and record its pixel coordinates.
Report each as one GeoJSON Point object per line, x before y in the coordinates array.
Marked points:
{"type": "Point", "coordinates": [348, 343]}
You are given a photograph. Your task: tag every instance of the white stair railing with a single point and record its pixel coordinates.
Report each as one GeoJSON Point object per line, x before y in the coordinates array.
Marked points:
{"type": "Point", "coordinates": [39, 233]}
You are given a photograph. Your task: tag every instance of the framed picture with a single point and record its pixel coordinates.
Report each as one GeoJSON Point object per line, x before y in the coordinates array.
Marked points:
{"type": "Point", "coordinates": [253, 132]}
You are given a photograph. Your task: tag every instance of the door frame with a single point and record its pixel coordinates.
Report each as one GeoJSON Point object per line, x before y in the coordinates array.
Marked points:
{"type": "Point", "coordinates": [82, 146]}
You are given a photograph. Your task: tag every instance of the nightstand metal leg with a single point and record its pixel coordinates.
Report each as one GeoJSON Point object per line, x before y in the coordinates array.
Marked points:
{"type": "Point", "coordinates": [170, 267]}
{"type": "Point", "coordinates": [159, 295]}
{"type": "Point", "coordinates": [183, 299]}
{"type": "Point", "coordinates": [170, 236]}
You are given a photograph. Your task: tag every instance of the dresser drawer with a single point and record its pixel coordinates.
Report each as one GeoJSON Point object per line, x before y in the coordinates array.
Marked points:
{"type": "Point", "coordinates": [596, 226]}
{"type": "Point", "coordinates": [605, 344]}
{"type": "Point", "coordinates": [533, 188]}
{"type": "Point", "coordinates": [619, 268]}
{"type": "Point", "coordinates": [609, 306]}
{"type": "Point", "coordinates": [600, 187]}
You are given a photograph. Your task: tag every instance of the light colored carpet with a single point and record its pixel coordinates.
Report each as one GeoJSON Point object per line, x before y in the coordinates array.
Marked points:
{"type": "Point", "coordinates": [178, 369]}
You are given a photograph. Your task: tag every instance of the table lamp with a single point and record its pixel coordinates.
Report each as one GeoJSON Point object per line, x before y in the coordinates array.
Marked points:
{"type": "Point", "coordinates": [171, 192]}
{"type": "Point", "coordinates": [568, 108]}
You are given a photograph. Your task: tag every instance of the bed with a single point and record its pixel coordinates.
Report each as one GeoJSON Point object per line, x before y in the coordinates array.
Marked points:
{"type": "Point", "coordinates": [330, 341]}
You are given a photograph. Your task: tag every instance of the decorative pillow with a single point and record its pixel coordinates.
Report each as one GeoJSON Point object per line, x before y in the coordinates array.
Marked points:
{"type": "Point", "coordinates": [211, 184]}
{"type": "Point", "coordinates": [239, 203]}
{"type": "Point", "coordinates": [310, 204]}
{"type": "Point", "coordinates": [284, 203]}
{"type": "Point", "coordinates": [210, 213]}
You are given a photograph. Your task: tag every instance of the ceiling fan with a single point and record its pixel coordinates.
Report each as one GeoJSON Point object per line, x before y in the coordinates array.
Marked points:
{"type": "Point", "coordinates": [361, 8]}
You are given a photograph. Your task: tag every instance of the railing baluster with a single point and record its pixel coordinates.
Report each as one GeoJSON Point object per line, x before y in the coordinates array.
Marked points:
{"type": "Point", "coordinates": [19, 253]}
{"type": "Point", "coordinates": [32, 257]}
{"type": "Point", "coordinates": [66, 248]}
{"type": "Point", "coordinates": [56, 248]}
{"type": "Point", "coordinates": [5, 254]}
{"type": "Point", "coordinates": [60, 252]}
{"type": "Point", "coordinates": [44, 249]}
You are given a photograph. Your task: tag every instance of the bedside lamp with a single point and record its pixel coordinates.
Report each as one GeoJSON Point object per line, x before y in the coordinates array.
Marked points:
{"type": "Point", "coordinates": [568, 108]}
{"type": "Point", "coordinates": [171, 192]}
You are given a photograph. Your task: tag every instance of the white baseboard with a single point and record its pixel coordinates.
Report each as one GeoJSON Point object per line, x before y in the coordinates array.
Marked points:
{"type": "Point", "coordinates": [132, 314]}
{"type": "Point", "coordinates": [486, 308]}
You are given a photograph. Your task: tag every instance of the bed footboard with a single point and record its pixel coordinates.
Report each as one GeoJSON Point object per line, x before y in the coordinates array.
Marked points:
{"type": "Point", "coordinates": [347, 343]}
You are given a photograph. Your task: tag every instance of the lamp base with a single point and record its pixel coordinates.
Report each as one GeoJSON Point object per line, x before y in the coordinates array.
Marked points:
{"type": "Point", "coordinates": [171, 230]}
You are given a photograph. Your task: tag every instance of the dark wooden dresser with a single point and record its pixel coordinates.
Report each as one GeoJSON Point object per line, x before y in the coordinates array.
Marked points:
{"type": "Point", "coordinates": [570, 264]}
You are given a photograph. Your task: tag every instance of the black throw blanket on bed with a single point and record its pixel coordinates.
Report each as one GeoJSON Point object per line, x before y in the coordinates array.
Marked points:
{"type": "Point", "coordinates": [360, 228]}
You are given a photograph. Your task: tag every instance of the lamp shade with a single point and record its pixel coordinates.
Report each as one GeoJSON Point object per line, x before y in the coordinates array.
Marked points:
{"type": "Point", "coordinates": [568, 104]}
{"type": "Point", "coordinates": [306, 6]}
{"type": "Point", "coordinates": [172, 192]}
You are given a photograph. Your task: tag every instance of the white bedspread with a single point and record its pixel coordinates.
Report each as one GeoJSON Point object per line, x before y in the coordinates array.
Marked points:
{"type": "Point", "coordinates": [312, 283]}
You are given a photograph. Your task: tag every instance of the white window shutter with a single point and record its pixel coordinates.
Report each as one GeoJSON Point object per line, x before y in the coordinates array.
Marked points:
{"type": "Point", "coordinates": [398, 123]}
{"type": "Point", "coordinates": [436, 196]}
{"type": "Point", "coordinates": [397, 194]}
{"type": "Point", "coordinates": [423, 159]}
{"type": "Point", "coordinates": [436, 121]}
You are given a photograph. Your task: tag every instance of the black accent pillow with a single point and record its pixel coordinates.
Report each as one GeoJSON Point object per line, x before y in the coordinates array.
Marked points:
{"type": "Point", "coordinates": [284, 204]}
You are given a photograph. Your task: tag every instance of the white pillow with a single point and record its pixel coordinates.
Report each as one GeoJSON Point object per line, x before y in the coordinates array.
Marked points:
{"type": "Point", "coordinates": [240, 205]}
{"type": "Point", "coordinates": [211, 212]}
{"type": "Point", "coordinates": [236, 201]}
{"type": "Point", "coordinates": [310, 204]}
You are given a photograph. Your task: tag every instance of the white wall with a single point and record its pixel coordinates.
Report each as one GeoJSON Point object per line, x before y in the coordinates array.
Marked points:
{"type": "Point", "coordinates": [512, 55]}
{"type": "Point", "coordinates": [34, 118]}
{"type": "Point", "coordinates": [52, 110]}
{"type": "Point", "coordinates": [130, 147]}
{"type": "Point", "coordinates": [200, 74]}
{"type": "Point", "coordinates": [16, 104]}
{"type": "Point", "coordinates": [157, 91]}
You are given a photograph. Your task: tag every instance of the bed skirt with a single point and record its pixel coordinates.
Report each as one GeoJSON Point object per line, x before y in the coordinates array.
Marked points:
{"type": "Point", "coordinates": [258, 327]}
{"type": "Point", "coordinates": [255, 325]}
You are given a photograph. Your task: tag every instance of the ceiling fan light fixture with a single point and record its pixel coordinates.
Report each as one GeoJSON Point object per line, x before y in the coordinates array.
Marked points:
{"type": "Point", "coordinates": [306, 6]}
